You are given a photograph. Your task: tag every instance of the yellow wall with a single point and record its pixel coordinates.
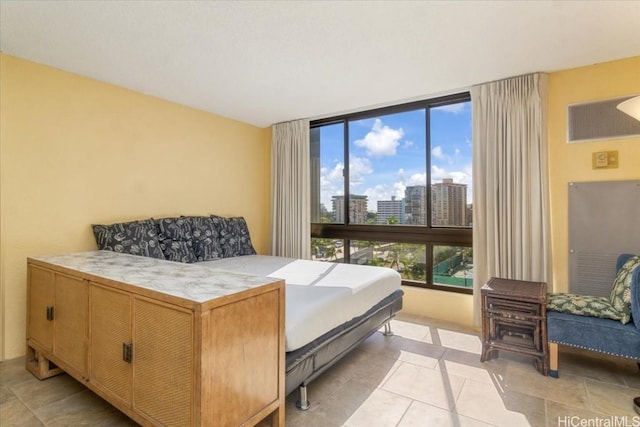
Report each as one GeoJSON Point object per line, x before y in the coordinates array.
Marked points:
{"type": "Point", "coordinates": [75, 151]}
{"type": "Point", "coordinates": [572, 162]}
{"type": "Point", "coordinates": [567, 163]}
{"type": "Point", "coordinates": [448, 306]}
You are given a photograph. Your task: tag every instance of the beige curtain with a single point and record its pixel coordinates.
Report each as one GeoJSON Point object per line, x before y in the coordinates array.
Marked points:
{"type": "Point", "coordinates": [290, 211]}
{"type": "Point", "coordinates": [510, 182]}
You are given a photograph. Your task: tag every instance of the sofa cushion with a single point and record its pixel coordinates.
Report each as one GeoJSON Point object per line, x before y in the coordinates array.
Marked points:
{"type": "Point", "coordinates": [135, 238]}
{"type": "Point", "coordinates": [583, 305]}
{"type": "Point", "coordinates": [206, 238]}
{"type": "Point", "coordinates": [603, 335]}
{"type": "Point", "coordinates": [176, 239]}
{"type": "Point", "coordinates": [234, 236]}
{"type": "Point", "coordinates": [620, 297]}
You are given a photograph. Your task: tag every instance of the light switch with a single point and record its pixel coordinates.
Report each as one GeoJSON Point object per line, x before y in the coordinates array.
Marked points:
{"type": "Point", "coordinates": [604, 160]}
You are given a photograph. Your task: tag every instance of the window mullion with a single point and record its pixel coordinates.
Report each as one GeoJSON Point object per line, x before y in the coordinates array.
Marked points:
{"type": "Point", "coordinates": [427, 135]}
{"type": "Point", "coordinates": [345, 173]}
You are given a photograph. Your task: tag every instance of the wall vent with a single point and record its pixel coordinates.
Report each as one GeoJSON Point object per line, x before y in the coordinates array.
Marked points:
{"type": "Point", "coordinates": [592, 121]}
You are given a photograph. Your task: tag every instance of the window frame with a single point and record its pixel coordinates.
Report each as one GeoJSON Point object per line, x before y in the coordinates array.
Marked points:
{"type": "Point", "coordinates": [420, 234]}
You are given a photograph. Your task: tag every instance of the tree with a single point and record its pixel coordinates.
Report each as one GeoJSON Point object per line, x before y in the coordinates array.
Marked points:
{"type": "Point", "coordinates": [392, 257]}
{"type": "Point", "coordinates": [330, 251]}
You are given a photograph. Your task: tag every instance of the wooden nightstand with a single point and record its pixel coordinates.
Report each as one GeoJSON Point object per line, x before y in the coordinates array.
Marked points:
{"type": "Point", "coordinates": [514, 318]}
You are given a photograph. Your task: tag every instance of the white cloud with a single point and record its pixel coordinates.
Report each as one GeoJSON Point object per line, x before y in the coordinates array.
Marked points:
{"type": "Point", "coordinates": [358, 168]}
{"type": "Point", "coordinates": [381, 140]}
{"type": "Point", "coordinates": [331, 184]}
{"type": "Point", "coordinates": [399, 188]}
{"type": "Point", "coordinates": [335, 175]}
{"type": "Point", "coordinates": [459, 177]}
{"type": "Point", "coordinates": [408, 144]}
{"type": "Point", "coordinates": [416, 179]}
{"type": "Point", "coordinates": [452, 108]}
{"type": "Point", "coordinates": [437, 152]}
{"type": "Point", "coordinates": [384, 192]}
{"type": "Point", "coordinates": [437, 173]}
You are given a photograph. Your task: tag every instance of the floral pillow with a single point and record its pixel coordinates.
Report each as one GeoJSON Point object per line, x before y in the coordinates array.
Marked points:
{"type": "Point", "coordinates": [176, 239]}
{"type": "Point", "coordinates": [234, 236]}
{"type": "Point", "coordinates": [135, 238]}
{"type": "Point", "coordinates": [206, 238]}
{"type": "Point", "coordinates": [584, 305]}
{"type": "Point", "coordinates": [620, 297]}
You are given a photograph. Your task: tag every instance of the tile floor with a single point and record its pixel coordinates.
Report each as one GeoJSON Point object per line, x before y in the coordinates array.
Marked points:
{"type": "Point", "coordinates": [427, 374]}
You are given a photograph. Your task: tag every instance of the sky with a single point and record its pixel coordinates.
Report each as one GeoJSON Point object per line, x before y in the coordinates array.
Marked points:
{"type": "Point", "coordinates": [387, 153]}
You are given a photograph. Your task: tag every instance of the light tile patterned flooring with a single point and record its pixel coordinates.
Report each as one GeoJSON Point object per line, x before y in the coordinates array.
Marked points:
{"type": "Point", "coordinates": [427, 374]}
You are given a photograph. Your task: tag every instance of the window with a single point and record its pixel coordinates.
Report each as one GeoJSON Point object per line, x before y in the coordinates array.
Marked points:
{"type": "Point", "coordinates": [403, 198]}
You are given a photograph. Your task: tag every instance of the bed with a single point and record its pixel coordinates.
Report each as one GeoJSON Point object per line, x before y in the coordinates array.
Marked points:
{"type": "Point", "coordinates": [330, 309]}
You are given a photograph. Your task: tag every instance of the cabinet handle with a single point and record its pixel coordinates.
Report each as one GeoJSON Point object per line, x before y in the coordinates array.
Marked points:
{"type": "Point", "coordinates": [127, 351]}
{"type": "Point", "coordinates": [50, 313]}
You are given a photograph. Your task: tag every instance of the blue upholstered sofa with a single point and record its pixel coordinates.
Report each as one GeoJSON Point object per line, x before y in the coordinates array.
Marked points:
{"type": "Point", "coordinates": [597, 334]}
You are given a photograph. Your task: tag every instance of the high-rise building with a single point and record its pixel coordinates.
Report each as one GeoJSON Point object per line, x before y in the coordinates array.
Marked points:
{"type": "Point", "coordinates": [357, 209]}
{"type": "Point", "coordinates": [390, 211]}
{"type": "Point", "coordinates": [415, 199]}
{"type": "Point", "coordinates": [449, 204]}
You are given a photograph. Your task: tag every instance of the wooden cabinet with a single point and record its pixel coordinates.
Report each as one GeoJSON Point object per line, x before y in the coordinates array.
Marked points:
{"type": "Point", "coordinates": [110, 317]}
{"type": "Point", "coordinates": [41, 294]}
{"type": "Point", "coordinates": [514, 318]}
{"type": "Point", "coordinates": [57, 319]}
{"type": "Point", "coordinates": [201, 348]}
{"type": "Point", "coordinates": [163, 354]}
{"type": "Point", "coordinates": [70, 322]}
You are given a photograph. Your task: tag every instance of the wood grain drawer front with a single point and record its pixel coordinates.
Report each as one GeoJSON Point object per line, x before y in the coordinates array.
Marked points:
{"type": "Point", "coordinates": [163, 359]}
{"type": "Point", "coordinates": [110, 314]}
{"type": "Point", "coordinates": [71, 326]}
{"type": "Point", "coordinates": [41, 296]}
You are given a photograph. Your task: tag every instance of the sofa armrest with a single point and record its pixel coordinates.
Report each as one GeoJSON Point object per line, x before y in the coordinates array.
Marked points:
{"type": "Point", "coordinates": [635, 297]}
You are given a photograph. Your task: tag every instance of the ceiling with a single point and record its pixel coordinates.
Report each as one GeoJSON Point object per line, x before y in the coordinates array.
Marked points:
{"type": "Point", "coordinates": [272, 61]}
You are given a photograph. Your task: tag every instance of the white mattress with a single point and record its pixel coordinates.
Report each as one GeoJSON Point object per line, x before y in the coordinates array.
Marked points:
{"type": "Point", "coordinates": [319, 295]}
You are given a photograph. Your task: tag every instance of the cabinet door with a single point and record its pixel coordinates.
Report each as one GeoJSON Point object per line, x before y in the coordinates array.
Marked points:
{"type": "Point", "coordinates": [110, 323]}
{"type": "Point", "coordinates": [163, 362]}
{"type": "Point", "coordinates": [241, 358]}
{"type": "Point", "coordinates": [40, 299]}
{"type": "Point", "coordinates": [71, 321]}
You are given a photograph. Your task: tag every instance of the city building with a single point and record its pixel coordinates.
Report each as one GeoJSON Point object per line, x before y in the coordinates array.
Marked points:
{"type": "Point", "coordinates": [357, 209]}
{"type": "Point", "coordinates": [391, 211]}
{"type": "Point", "coordinates": [449, 204]}
{"type": "Point", "coordinates": [415, 198]}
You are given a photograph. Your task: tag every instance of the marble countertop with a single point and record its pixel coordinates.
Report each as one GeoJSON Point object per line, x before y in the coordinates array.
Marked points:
{"type": "Point", "coordinates": [188, 281]}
